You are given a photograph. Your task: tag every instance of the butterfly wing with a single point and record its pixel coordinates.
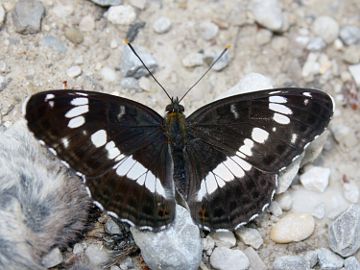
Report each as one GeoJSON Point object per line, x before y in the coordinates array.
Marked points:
{"type": "Point", "coordinates": [117, 144]}
{"type": "Point", "coordinates": [237, 146]}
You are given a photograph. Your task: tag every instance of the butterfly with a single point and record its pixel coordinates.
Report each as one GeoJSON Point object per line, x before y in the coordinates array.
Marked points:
{"type": "Point", "coordinates": [223, 160]}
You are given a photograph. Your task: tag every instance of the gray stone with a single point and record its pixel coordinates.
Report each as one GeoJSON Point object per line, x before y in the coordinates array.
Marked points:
{"type": "Point", "coordinates": [351, 263]}
{"type": "Point", "coordinates": [224, 239]}
{"type": "Point", "coordinates": [250, 237]}
{"type": "Point", "coordinates": [126, 264]}
{"type": "Point", "coordinates": [350, 34]}
{"type": "Point", "coordinates": [210, 55]}
{"type": "Point", "coordinates": [27, 16]}
{"type": "Point", "coordinates": [208, 244]}
{"type": "Point", "coordinates": [345, 135]}
{"type": "Point", "coordinates": [53, 43]}
{"type": "Point", "coordinates": [351, 54]}
{"type": "Point", "coordinates": [316, 44]}
{"type": "Point", "coordinates": [285, 201]}
{"type": "Point", "coordinates": [344, 232]}
{"type": "Point", "coordinates": [3, 82]}
{"type": "Point", "coordinates": [329, 260]}
{"type": "Point", "coordinates": [193, 60]}
{"type": "Point", "coordinates": [208, 30]}
{"type": "Point", "coordinates": [122, 15]}
{"type": "Point", "coordinates": [256, 263]}
{"type": "Point", "coordinates": [74, 35]}
{"type": "Point", "coordinates": [130, 83]}
{"type": "Point", "coordinates": [53, 258]}
{"type": "Point", "coordinates": [79, 248]}
{"type": "Point", "coordinates": [111, 227]}
{"type": "Point", "coordinates": [229, 259]}
{"type": "Point", "coordinates": [2, 15]}
{"type": "Point", "coordinates": [287, 176]}
{"type": "Point", "coordinates": [355, 72]}
{"type": "Point", "coordinates": [268, 13]}
{"type": "Point", "coordinates": [177, 247]}
{"type": "Point", "coordinates": [162, 25]}
{"type": "Point", "coordinates": [311, 258]}
{"type": "Point", "coordinates": [97, 255]}
{"type": "Point", "coordinates": [275, 209]}
{"type": "Point", "coordinates": [74, 71]}
{"type": "Point", "coordinates": [108, 74]}
{"type": "Point", "coordinates": [106, 3]}
{"type": "Point", "coordinates": [290, 263]}
{"type": "Point", "coordinates": [327, 28]}
{"type": "Point", "coordinates": [131, 66]}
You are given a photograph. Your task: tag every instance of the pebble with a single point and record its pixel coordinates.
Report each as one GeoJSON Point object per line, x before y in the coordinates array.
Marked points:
{"type": "Point", "coordinates": [63, 11]}
{"type": "Point", "coordinates": [3, 82]}
{"type": "Point", "coordinates": [355, 72]}
{"type": "Point", "coordinates": [87, 23]}
{"type": "Point", "coordinates": [162, 25]}
{"type": "Point", "coordinates": [208, 30]}
{"type": "Point", "coordinates": [250, 237]}
{"type": "Point", "coordinates": [2, 15]}
{"type": "Point", "coordinates": [344, 232]}
{"type": "Point", "coordinates": [211, 54]}
{"type": "Point", "coordinates": [351, 54]}
{"type": "Point", "coordinates": [27, 16]}
{"type": "Point", "coordinates": [351, 263]}
{"type": "Point", "coordinates": [287, 176]}
{"type": "Point", "coordinates": [316, 44]}
{"type": "Point", "coordinates": [345, 135]}
{"type": "Point", "coordinates": [268, 13]}
{"type": "Point", "coordinates": [79, 248]}
{"type": "Point", "coordinates": [145, 83]}
{"type": "Point", "coordinates": [74, 71]}
{"type": "Point", "coordinates": [319, 211]}
{"type": "Point", "coordinates": [293, 227]}
{"type": "Point", "coordinates": [106, 3]}
{"type": "Point", "coordinates": [327, 28]}
{"type": "Point", "coordinates": [329, 260]}
{"type": "Point", "coordinates": [140, 4]}
{"type": "Point", "coordinates": [263, 36]}
{"type": "Point", "coordinates": [122, 15]}
{"type": "Point", "coordinates": [350, 34]}
{"type": "Point", "coordinates": [290, 262]}
{"type": "Point", "coordinates": [229, 259]}
{"type": "Point", "coordinates": [315, 178]}
{"type": "Point", "coordinates": [178, 247]}
{"type": "Point", "coordinates": [74, 35]}
{"type": "Point", "coordinates": [130, 83]}
{"type": "Point", "coordinates": [311, 66]}
{"type": "Point", "coordinates": [256, 263]}
{"type": "Point", "coordinates": [127, 263]}
{"type": "Point", "coordinates": [97, 255]}
{"type": "Point", "coordinates": [224, 239]}
{"type": "Point", "coordinates": [275, 209]}
{"type": "Point", "coordinates": [351, 191]}
{"type": "Point", "coordinates": [208, 244]}
{"type": "Point", "coordinates": [53, 258]}
{"type": "Point", "coordinates": [53, 43]}
{"type": "Point", "coordinates": [111, 227]}
{"type": "Point", "coordinates": [108, 74]}
{"type": "Point", "coordinates": [285, 201]}
{"type": "Point", "coordinates": [193, 60]}
{"type": "Point", "coordinates": [311, 258]}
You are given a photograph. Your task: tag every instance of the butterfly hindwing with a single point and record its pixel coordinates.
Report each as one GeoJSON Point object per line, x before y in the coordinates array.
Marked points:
{"type": "Point", "coordinates": [118, 145]}
{"type": "Point", "coordinates": [246, 140]}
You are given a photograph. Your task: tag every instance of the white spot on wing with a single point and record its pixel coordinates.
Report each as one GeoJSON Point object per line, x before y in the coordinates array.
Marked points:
{"type": "Point", "coordinates": [76, 122]}
{"type": "Point", "coordinates": [125, 166]}
{"type": "Point", "coordinates": [293, 138]}
{"type": "Point", "coordinates": [202, 191]}
{"type": "Point", "coordinates": [76, 111]}
{"type": "Point", "coordinates": [259, 135]}
{"type": "Point", "coordinates": [234, 168]}
{"type": "Point", "coordinates": [307, 94]}
{"type": "Point", "coordinates": [49, 96]}
{"type": "Point", "coordinates": [280, 108]}
{"type": "Point", "coordinates": [65, 142]}
{"type": "Point", "coordinates": [246, 148]}
{"type": "Point", "coordinates": [121, 113]}
{"type": "Point", "coordinates": [136, 171]}
{"type": "Point", "coordinates": [51, 104]}
{"type": "Point", "coordinates": [79, 101]}
{"type": "Point", "coordinates": [306, 101]}
{"type": "Point", "coordinates": [112, 150]}
{"type": "Point", "coordinates": [281, 119]}
{"type": "Point", "coordinates": [99, 138]}
{"type": "Point", "coordinates": [277, 99]}
{"type": "Point", "coordinates": [211, 184]}
{"type": "Point", "coordinates": [223, 172]}
{"type": "Point", "coordinates": [150, 184]}
{"type": "Point", "coordinates": [234, 111]}
{"type": "Point", "coordinates": [242, 163]}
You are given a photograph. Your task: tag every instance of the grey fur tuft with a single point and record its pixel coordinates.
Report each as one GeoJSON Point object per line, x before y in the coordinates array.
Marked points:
{"type": "Point", "coordinates": [42, 205]}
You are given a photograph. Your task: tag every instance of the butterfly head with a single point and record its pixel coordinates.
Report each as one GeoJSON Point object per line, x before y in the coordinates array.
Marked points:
{"type": "Point", "coordinates": [175, 106]}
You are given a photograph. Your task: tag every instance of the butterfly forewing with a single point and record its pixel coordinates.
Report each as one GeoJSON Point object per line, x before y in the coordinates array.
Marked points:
{"type": "Point", "coordinates": [117, 144]}
{"type": "Point", "coordinates": [246, 139]}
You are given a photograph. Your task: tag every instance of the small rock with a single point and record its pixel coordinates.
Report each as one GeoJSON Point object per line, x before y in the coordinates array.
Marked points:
{"type": "Point", "coordinates": [268, 13]}
{"type": "Point", "coordinates": [114, 267]}
{"type": "Point", "coordinates": [315, 148]}
{"type": "Point", "coordinates": [351, 263]}
{"type": "Point", "coordinates": [211, 55]}
{"type": "Point", "coordinates": [193, 60]}
{"type": "Point", "coordinates": [178, 247]}
{"type": "Point", "coordinates": [126, 264]}
{"type": "Point", "coordinates": [280, 44]}
{"type": "Point", "coordinates": [344, 135]}
{"type": "Point", "coordinates": [319, 211]}
{"type": "Point", "coordinates": [285, 201]}
{"type": "Point", "coordinates": [351, 191]}
{"type": "Point", "coordinates": [53, 43]}
{"type": "Point", "coordinates": [355, 72]}
{"type": "Point", "coordinates": [287, 176]}
{"type": "Point", "coordinates": [106, 3]}
{"type": "Point", "coordinates": [3, 83]}
{"type": "Point", "coordinates": [53, 258]}
{"type": "Point", "coordinates": [350, 34]}
{"type": "Point", "coordinates": [145, 83]}
{"type": "Point", "coordinates": [162, 25]}
{"type": "Point", "coordinates": [208, 244]}
{"type": "Point", "coordinates": [256, 263]}
{"type": "Point", "coordinates": [351, 54]}
{"type": "Point", "coordinates": [74, 71]}
{"type": "Point", "coordinates": [111, 227]}
{"type": "Point", "coordinates": [224, 239]}
{"type": "Point", "coordinates": [290, 263]}
{"type": "Point", "coordinates": [293, 227]}
{"type": "Point", "coordinates": [108, 74]}
{"type": "Point", "coordinates": [250, 237]}
{"type": "Point", "coordinates": [315, 178]}
{"type": "Point", "coordinates": [316, 44]}
{"type": "Point", "coordinates": [208, 30]}
{"type": "Point", "coordinates": [228, 259]}
{"type": "Point", "coordinates": [2, 15]}
{"type": "Point", "coordinates": [344, 232]}
{"type": "Point", "coordinates": [87, 23]}
{"type": "Point", "coordinates": [79, 248]}
{"type": "Point", "coordinates": [131, 66]}
{"type": "Point", "coordinates": [123, 15]}
{"type": "Point", "coordinates": [130, 83]}
{"type": "Point", "coordinates": [63, 11]}
{"type": "Point", "coordinates": [27, 16]}
{"type": "Point", "coordinates": [275, 209]}
{"type": "Point", "coordinates": [311, 258]}
{"type": "Point", "coordinates": [140, 4]}
{"type": "Point", "coordinates": [329, 260]}
{"type": "Point", "coordinates": [311, 66]}
{"type": "Point", "coordinates": [97, 255]}
{"type": "Point", "coordinates": [326, 28]}
{"type": "Point", "coordinates": [74, 35]}
{"type": "Point", "coordinates": [263, 36]}
{"type": "Point", "coordinates": [3, 67]}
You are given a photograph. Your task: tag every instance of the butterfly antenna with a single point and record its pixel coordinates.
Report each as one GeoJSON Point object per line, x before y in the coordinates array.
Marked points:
{"type": "Point", "coordinates": [127, 42]}
{"type": "Point", "coordinates": [210, 67]}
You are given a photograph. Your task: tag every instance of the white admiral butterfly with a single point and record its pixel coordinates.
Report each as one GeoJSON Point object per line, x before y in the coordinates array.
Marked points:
{"type": "Point", "coordinates": [223, 159]}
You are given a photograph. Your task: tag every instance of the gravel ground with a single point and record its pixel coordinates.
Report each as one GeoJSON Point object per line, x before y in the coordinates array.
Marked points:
{"type": "Point", "coordinates": [305, 43]}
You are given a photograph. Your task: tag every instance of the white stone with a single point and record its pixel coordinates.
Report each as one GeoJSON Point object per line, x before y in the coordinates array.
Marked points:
{"type": "Point", "coordinates": [228, 259]}
{"type": "Point", "coordinates": [162, 25]}
{"type": "Point", "coordinates": [140, 4]}
{"type": "Point", "coordinates": [123, 14]}
{"type": "Point", "coordinates": [345, 135]}
{"type": "Point", "coordinates": [2, 15]}
{"type": "Point", "coordinates": [208, 30]}
{"type": "Point", "coordinates": [275, 209]}
{"type": "Point", "coordinates": [250, 237]}
{"type": "Point", "coordinates": [285, 201]}
{"type": "Point", "coordinates": [319, 211]}
{"type": "Point", "coordinates": [329, 260]}
{"type": "Point", "coordinates": [293, 227]}
{"type": "Point", "coordinates": [350, 34]}
{"type": "Point", "coordinates": [96, 254]}
{"type": "Point", "coordinates": [351, 263]}
{"type": "Point", "coordinates": [355, 72]}
{"type": "Point", "coordinates": [208, 244]}
{"type": "Point", "coordinates": [193, 60]}
{"type": "Point", "coordinates": [224, 239]}
{"type": "Point", "coordinates": [326, 28]}
{"type": "Point", "coordinates": [268, 13]}
{"type": "Point", "coordinates": [287, 176]}
{"type": "Point", "coordinates": [87, 23]}
{"type": "Point", "coordinates": [351, 191]}
{"type": "Point", "coordinates": [256, 263]}
{"type": "Point", "coordinates": [53, 258]}
{"type": "Point", "coordinates": [315, 178]}
{"type": "Point", "coordinates": [289, 262]}
{"type": "Point", "coordinates": [79, 248]}
{"type": "Point", "coordinates": [108, 74]}
{"type": "Point", "coordinates": [74, 71]}
{"type": "Point", "coordinates": [311, 66]}
{"type": "Point", "coordinates": [63, 11]}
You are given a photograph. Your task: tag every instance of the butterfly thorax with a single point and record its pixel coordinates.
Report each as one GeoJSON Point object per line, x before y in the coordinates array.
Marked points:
{"type": "Point", "coordinates": [177, 134]}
